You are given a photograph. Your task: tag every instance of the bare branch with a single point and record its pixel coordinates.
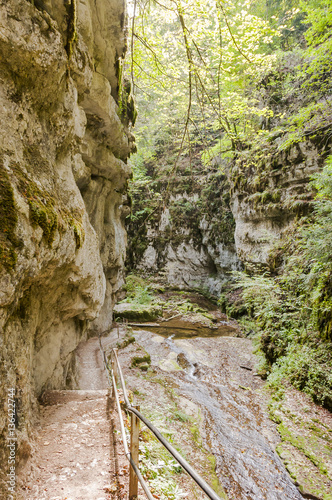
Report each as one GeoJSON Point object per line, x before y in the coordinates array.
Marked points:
{"type": "Point", "coordinates": [230, 32]}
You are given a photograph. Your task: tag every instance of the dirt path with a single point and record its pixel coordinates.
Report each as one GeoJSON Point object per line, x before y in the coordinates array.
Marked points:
{"type": "Point", "coordinates": [79, 453]}
{"type": "Point", "coordinates": [91, 373]}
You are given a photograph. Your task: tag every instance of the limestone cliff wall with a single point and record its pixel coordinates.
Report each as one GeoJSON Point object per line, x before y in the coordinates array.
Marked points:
{"type": "Point", "coordinates": [63, 179]}
{"type": "Point", "coordinates": [186, 238]}
{"type": "Point", "coordinates": [214, 222]}
{"type": "Point", "coordinates": [269, 195]}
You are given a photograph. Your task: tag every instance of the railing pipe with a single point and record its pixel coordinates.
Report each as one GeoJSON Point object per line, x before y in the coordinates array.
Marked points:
{"type": "Point", "coordinates": [200, 481]}
{"type": "Point", "coordinates": [112, 383]}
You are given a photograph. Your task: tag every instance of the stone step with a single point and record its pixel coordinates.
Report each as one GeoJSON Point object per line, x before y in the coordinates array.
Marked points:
{"type": "Point", "coordinates": [53, 397]}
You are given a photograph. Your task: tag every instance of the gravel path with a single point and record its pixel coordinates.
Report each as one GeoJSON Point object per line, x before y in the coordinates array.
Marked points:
{"type": "Point", "coordinates": [78, 452]}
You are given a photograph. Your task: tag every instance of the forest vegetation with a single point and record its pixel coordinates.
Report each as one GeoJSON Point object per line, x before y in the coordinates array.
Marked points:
{"type": "Point", "coordinates": [227, 88]}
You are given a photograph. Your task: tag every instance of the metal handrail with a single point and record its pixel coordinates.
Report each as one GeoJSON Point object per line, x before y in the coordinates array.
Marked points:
{"type": "Point", "coordinates": [194, 475]}
{"type": "Point", "coordinates": [112, 383]}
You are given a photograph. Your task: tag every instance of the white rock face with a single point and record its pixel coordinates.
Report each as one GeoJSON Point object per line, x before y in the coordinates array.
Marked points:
{"type": "Point", "coordinates": [259, 227]}
{"type": "Point", "coordinates": [188, 265]}
{"type": "Point", "coordinates": [63, 178]}
{"type": "Point", "coordinates": [149, 260]}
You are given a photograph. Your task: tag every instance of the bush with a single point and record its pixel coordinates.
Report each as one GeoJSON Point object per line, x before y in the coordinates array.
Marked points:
{"type": "Point", "coordinates": [137, 290]}
{"type": "Point", "coordinates": [292, 311]}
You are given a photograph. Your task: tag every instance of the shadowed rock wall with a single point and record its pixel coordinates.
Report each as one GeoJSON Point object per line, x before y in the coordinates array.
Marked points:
{"type": "Point", "coordinates": [63, 181]}
{"type": "Point", "coordinates": [182, 228]}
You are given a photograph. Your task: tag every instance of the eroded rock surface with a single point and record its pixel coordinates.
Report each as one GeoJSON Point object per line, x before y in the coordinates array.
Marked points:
{"type": "Point", "coordinates": [63, 178]}
{"type": "Point", "coordinates": [267, 198]}
{"type": "Point", "coordinates": [186, 236]}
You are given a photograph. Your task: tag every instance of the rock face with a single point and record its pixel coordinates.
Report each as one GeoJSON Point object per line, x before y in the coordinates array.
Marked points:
{"type": "Point", "coordinates": [268, 197]}
{"type": "Point", "coordinates": [213, 222]}
{"type": "Point", "coordinates": [194, 263]}
{"type": "Point", "coordinates": [63, 179]}
{"type": "Point", "coordinates": [188, 237]}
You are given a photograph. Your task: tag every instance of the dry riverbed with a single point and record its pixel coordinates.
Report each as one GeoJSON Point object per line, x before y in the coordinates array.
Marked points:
{"type": "Point", "coordinates": [202, 390]}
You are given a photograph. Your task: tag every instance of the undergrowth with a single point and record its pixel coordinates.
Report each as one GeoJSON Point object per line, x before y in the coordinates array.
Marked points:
{"type": "Point", "coordinates": [157, 465]}
{"type": "Point", "coordinates": [138, 291]}
{"type": "Point", "coordinates": [291, 309]}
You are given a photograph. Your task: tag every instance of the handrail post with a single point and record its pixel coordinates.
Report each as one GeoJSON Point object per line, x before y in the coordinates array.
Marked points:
{"type": "Point", "coordinates": [115, 367]}
{"type": "Point", "coordinates": [134, 451]}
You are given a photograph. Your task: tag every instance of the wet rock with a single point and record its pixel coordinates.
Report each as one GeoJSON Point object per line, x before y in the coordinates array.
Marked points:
{"type": "Point", "coordinates": [183, 360]}
{"type": "Point", "coordinates": [170, 364]}
{"type": "Point", "coordinates": [133, 312]}
{"type": "Point", "coordinates": [234, 429]}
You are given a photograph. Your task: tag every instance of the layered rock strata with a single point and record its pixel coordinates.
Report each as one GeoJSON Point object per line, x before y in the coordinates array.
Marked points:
{"type": "Point", "coordinates": [269, 195]}
{"type": "Point", "coordinates": [63, 179]}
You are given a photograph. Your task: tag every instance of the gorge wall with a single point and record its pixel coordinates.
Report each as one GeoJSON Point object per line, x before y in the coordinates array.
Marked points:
{"type": "Point", "coordinates": [220, 218]}
{"type": "Point", "coordinates": [63, 180]}
{"type": "Point", "coordinates": [182, 227]}
{"type": "Point", "coordinates": [269, 195]}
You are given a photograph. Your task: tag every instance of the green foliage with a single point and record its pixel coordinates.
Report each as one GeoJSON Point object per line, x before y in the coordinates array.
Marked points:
{"type": "Point", "coordinates": [308, 367]}
{"type": "Point", "coordinates": [286, 326]}
{"type": "Point", "coordinates": [137, 290]}
{"type": "Point", "coordinates": [318, 65]}
{"type": "Point", "coordinates": [159, 467]}
{"type": "Point", "coordinates": [293, 310]}
{"type": "Point", "coordinates": [197, 60]}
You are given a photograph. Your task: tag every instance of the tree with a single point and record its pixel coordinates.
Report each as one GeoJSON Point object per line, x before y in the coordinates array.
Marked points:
{"type": "Point", "coordinates": [193, 66]}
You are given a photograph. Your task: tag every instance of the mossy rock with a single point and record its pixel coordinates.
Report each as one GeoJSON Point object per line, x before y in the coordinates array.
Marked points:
{"type": "Point", "coordinates": [46, 209]}
{"type": "Point", "coordinates": [8, 221]}
{"type": "Point", "coordinates": [126, 341]}
{"type": "Point", "coordinates": [141, 361]}
{"type": "Point", "coordinates": [144, 367]}
{"type": "Point", "coordinates": [135, 312]}
{"type": "Point", "coordinates": [232, 304]}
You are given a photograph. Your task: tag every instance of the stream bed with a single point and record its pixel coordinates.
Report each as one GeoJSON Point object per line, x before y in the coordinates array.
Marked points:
{"type": "Point", "coordinates": [216, 373]}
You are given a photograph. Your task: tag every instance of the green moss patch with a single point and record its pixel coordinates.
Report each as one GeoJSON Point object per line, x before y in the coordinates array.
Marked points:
{"type": "Point", "coordinates": [137, 312]}
{"type": "Point", "coordinates": [8, 257]}
{"type": "Point", "coordinates": [43, 214]}
{"type": "Point", "coordinates": [125, 342]}
{"type": "Point", "coordinates": [302, 444]}
{"type": "Point", "coordinates": [305, 447]}
{"type": "Point", "coordinates": [140, 360]}
{"type": "Point", "coordinates": [8, 221]}
{"type": "Point", "coordinates": [46, 211]}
